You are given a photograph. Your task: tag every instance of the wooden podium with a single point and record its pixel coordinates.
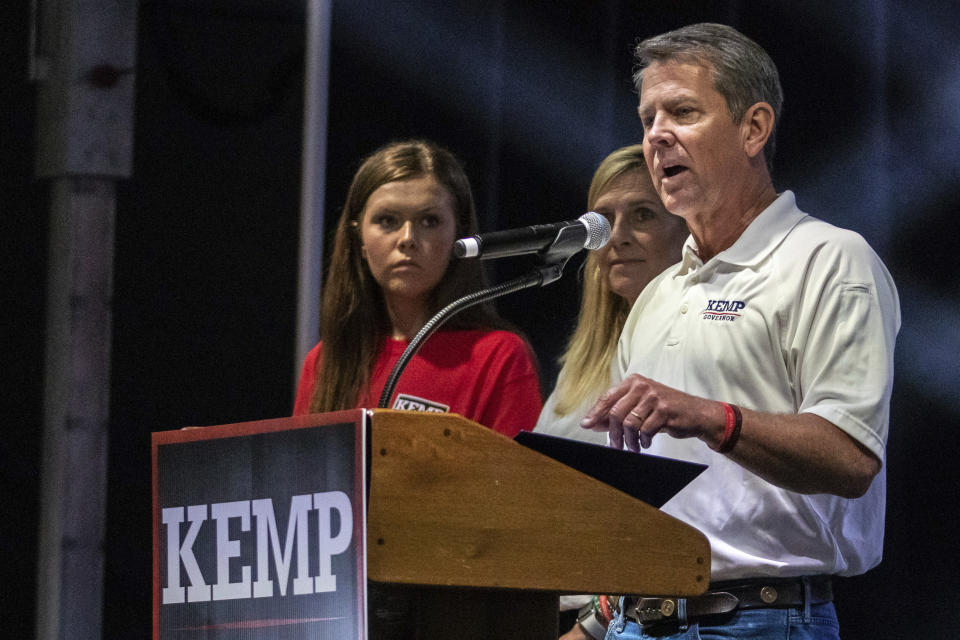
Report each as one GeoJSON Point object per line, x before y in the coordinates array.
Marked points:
{"type": "Point", "coordinates": [498, 530]}
{"type": "Point", "coordinates": [474, 534]}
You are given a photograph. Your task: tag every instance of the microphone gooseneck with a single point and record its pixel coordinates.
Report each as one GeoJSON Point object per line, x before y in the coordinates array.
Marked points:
{"type": "Point", "coordinates": [532, 279]}
{"type": "Point", "coordinates": [553, 243]}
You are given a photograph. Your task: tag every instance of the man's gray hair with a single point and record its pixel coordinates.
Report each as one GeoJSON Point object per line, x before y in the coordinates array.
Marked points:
{"type": "Point", "coordinates": [743, 73]}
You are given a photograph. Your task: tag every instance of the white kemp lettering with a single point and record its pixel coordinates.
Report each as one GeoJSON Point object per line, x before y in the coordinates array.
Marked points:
{"type": "Point", "coordinates": [266, 543]}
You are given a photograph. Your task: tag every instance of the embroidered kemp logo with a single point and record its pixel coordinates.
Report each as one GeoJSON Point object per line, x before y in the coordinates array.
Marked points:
{"type": "Point", "coordinates": [413, 403]}
{"type": "Point", "coordinates": [723, 310]}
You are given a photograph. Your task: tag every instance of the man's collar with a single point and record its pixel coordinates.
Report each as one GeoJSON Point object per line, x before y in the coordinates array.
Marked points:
{"type": "Point", "coordinates": [761, 237]}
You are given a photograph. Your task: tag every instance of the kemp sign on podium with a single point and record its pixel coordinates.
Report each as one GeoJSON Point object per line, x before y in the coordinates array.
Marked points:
{"type": "Point", "coordinates": [259, 529]}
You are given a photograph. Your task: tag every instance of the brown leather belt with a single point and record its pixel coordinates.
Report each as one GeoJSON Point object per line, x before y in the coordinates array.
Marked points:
{"type": "Point", "coordinates": [724, 597]}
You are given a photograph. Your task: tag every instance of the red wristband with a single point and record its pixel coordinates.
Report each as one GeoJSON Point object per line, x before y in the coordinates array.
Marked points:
{"type": "Point", "coordinates": [731, 430]}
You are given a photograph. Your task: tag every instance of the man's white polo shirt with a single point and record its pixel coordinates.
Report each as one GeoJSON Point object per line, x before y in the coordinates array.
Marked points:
{"type": "Point", "coordinates": [796, 316]}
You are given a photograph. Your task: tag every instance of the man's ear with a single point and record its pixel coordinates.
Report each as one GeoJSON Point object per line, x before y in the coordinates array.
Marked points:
{"type": "Point", "coordinates": [757, 125]}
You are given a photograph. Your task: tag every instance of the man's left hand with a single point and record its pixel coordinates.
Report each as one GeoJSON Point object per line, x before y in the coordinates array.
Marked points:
{"type": "Point", "coordinates": [638, 408]}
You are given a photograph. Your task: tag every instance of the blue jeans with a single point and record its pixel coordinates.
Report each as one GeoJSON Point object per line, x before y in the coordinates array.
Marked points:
{"type": "Point", "coordinates": [815, 622]}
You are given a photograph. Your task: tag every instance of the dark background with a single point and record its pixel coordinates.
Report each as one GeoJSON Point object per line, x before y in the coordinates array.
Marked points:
{"type": "Point", "coordinates": [531, 96]}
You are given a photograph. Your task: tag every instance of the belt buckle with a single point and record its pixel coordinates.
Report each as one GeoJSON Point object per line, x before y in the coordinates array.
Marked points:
{"type": "Point", "coordinates": [652, 610]}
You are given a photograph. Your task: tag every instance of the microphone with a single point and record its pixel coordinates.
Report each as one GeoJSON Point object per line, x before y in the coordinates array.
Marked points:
{"type": "Point", "coordinates": [589, 231]}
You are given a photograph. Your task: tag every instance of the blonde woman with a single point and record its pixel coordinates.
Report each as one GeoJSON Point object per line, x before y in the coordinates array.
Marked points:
{"type": "Point", "coordinates": [645, 239]}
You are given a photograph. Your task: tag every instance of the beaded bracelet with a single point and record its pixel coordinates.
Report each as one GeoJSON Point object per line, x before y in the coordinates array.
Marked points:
{"type": "Point", "coordinates": [590, 620]}
{"type": "Point", "coordinates": [606, 613]}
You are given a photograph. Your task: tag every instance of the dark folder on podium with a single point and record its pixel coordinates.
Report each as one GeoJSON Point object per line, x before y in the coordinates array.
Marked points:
{"type": "Point", "coordinates": [651, 479]}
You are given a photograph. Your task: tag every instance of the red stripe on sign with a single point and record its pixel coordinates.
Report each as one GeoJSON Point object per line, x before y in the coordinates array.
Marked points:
{"type": "Point", "coordinates": [256, 624]}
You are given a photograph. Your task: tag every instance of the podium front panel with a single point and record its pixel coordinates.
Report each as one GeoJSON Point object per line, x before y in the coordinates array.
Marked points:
{"type": "Point", "coordinates": [259, 529]}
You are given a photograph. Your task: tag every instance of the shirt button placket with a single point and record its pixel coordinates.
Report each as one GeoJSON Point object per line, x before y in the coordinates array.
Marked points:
{"type": "Point", "coordinates": [679, 328]}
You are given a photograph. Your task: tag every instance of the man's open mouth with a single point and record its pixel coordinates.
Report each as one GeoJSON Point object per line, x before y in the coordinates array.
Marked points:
{"type": "Point", "coordinates": [673, 170]}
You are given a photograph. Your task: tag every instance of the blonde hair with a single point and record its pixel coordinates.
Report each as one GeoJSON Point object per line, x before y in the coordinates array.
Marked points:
{"type": "Point", "coordinates": [602, 312]}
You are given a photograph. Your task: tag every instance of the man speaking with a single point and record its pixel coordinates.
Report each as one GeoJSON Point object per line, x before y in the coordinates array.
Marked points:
{"type": "Point", "coordinates": [765, 353]}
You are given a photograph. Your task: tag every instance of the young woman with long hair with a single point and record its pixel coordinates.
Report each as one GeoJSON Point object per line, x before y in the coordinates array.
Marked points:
{"type": "Point", "coordinates": [391, 271]}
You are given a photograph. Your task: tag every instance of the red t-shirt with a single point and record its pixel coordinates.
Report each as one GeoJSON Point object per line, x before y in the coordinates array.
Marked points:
{"type": "Point", "coordinates": [486, 376]}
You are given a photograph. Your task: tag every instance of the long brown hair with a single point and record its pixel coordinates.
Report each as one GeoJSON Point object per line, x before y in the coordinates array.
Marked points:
{"type": "Point", "coordinates": [353, 315]}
